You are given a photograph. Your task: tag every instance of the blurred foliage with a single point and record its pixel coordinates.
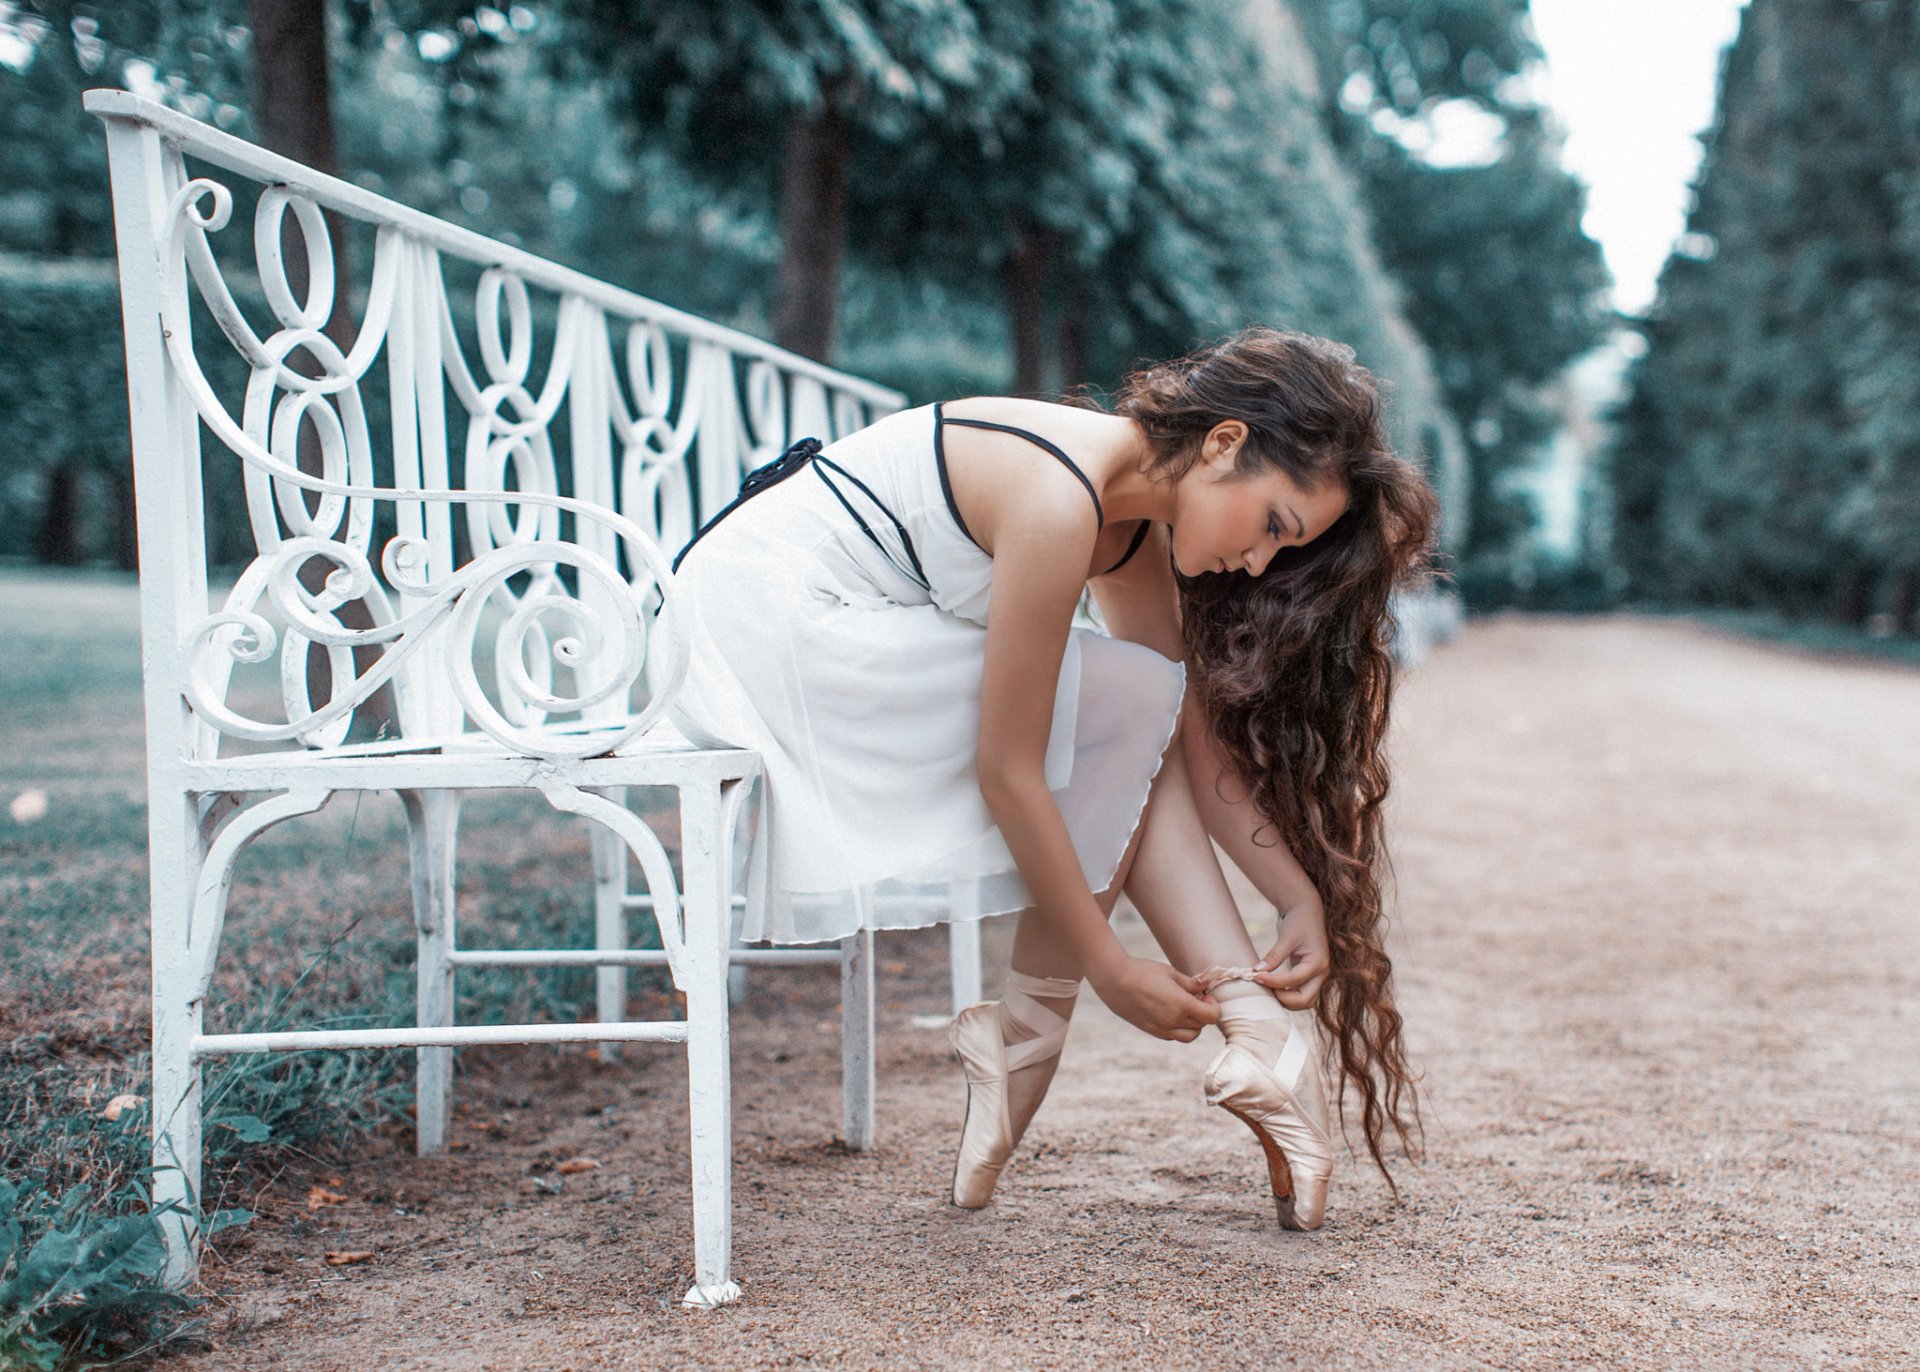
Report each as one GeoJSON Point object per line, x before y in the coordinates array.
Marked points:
{"type": "Point", "coordinates": [53, 159]}
{"type": "Point", "coordinates": [1769, 453]}
{"type": "Point", "coordinates": [1162, 154]}
{"type": "Point", "coordinates": [1500, 279]}
{"type": "Point", "coordinates": [1506, 288]}
{"type": "Point", "coordinates": [1402, 58]}
{"type": "Point", "coordinates": [67, 492]}
{"type": "Point", "coordinates": [720, 81]}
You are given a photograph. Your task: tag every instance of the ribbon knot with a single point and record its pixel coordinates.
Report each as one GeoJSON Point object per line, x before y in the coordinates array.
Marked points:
{"type": "Point", "coordinates": [792, 460]}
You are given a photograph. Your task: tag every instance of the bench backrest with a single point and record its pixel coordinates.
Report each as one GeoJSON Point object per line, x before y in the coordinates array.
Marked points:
{"type": "Point", "coordinates": [475, 536]}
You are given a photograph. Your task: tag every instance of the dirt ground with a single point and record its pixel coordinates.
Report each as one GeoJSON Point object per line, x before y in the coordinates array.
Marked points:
{"type": "Point", "coordinates": [1656, 938]}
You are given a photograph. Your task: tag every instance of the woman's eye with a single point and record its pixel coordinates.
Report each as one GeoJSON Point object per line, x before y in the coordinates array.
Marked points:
{"type": "Point", "coordinates": [1272, 531]}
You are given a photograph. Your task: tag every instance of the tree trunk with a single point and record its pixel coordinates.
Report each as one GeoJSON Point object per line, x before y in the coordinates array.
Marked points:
{"type": "Point", "coordinates": [293, 116]}
{"type": "Point", "coordinates": [126, 544]}
{"type": "Point", "coordinates": [58, 540]}
{"type": "Point", "coordinates": [1026, 283]}
{"type": "Point", "coordinates": [1850, 594]}
{"type": "Point", "coordinates": [1903, 600]}
{"type": "Point", "coordinates": [1070, 330]}
{"type": "Point", "coordinates": [813, 230]}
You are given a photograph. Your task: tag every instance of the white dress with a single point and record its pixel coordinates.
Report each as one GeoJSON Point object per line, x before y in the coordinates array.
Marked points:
{"type": "Point", "coordinates": [851, 661]}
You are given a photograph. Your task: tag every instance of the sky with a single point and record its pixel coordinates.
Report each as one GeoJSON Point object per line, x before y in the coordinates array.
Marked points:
{"type": "Point", "coordinates": [1634, 82]}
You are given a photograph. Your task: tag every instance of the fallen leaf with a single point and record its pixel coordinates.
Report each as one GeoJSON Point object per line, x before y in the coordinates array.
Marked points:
{"type": "Point", "coordinates": [348, 1258]}
{"type": "Point", "coordinates": [319, 1196]}
{"type": "Point", "coordinates": [118, 1106]}
{"type": "Point", "coordinates": [572, 1165]}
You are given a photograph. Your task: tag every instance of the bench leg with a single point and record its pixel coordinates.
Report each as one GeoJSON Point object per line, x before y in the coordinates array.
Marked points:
{"type": "Point", "coordinates": [707, 912]}
{"type": "Point", "coordinates": [856, 1037]}
{"type": "Point", "coordinates": [963, 944]}
{"type": "Point", "coordinates": [433, 819]}
{"type": "Point", "coordinates": [178, 848]}
{"type": "Point", "coordinates": [739, 856]}
{"type": "Point", "coordinates": [609, 922]}
{"type": "Point", "coordinates": [737, 973]}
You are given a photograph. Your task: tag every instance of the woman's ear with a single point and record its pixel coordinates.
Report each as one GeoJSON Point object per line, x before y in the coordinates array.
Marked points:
{"type": "Point", "coordinates": [1220, 449]}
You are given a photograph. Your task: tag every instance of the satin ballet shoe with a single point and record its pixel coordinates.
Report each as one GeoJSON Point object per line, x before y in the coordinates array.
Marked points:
{"type": "Point", "coordinates": [1276, 1101]}
{"type": "Point", "coordinates": [986, 1135]}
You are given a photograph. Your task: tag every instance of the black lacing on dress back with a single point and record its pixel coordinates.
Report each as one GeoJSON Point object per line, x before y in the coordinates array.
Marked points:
{"type": "Point", "coordinates": [806, 452]}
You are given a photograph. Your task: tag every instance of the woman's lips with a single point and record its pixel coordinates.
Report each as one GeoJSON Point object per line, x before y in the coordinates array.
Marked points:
{"type": "Point", "coordinates": [1223, 564]}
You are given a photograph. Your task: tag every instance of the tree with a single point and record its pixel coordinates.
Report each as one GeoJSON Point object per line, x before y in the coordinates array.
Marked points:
{"type": "Point", "coordinates": [1403, 58]}
{"type": "Point", "coordinates": [1116, 147]}
{"type": "Point", "coordinates": [796, 94]}
{"type": "Point", "coordinates": [1768, 453]}
{"type": "Point", "coordinates": [1506, 288]}
{"type": "Point", "coordinates": [1501, 280]}
{"type": "Point", "coordinates": [53, 164]}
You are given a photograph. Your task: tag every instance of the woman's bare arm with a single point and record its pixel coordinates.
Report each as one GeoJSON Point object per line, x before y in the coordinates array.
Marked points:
{"type": "Point", "coordinates": [1140, 602]}
{"type": "Point", "coordinates": [1040, 552]}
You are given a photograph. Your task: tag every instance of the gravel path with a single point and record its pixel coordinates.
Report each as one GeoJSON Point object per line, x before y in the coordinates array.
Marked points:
{"type": "Point", "coordinates": [1658, 951]}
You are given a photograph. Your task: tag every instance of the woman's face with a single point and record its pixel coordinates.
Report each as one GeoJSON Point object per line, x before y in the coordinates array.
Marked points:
{"type": "Point", "coordinates": [1225, 522]}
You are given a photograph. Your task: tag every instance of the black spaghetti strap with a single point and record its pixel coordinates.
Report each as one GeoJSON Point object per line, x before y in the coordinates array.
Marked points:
{"type": "Point", "coordinates": [919, 574]}
{"type": "Point", "coordinates": [1099, 515]}
{"type": "Point", "coordinates": [946, 485]}
{"type": "Point", "coordinates": [1139, 537]}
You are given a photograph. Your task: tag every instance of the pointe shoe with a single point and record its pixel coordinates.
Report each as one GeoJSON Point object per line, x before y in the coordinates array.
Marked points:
{"type": "Point", "coordinates": [1275, 1101]}
{"type": "Point", "coordinates": [986, 1136]}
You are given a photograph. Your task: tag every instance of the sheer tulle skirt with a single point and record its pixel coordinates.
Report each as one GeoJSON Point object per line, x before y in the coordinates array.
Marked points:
{"type": "Point", "coordinates": [863, 699]}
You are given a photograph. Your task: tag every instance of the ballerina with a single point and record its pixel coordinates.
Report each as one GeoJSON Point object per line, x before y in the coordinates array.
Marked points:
{"type": "Point", "coordinates": [894, 635]}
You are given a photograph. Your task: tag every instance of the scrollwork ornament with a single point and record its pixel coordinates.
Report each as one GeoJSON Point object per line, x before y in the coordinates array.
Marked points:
{"type": "Point", "coordinates": [604, 648]}
{"type": "Point", "coordinates": [552, 624]}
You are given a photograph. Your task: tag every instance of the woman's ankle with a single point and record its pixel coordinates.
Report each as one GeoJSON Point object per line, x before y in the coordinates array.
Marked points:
{"type": "Point", "coordinates": [1051, 996]}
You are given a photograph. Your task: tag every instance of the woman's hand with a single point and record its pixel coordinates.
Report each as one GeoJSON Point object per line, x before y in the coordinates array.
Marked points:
{"type": "Point", "coordinates": [1297, 964]}
{"type": "Point", "coordinates": [1162, 1000]}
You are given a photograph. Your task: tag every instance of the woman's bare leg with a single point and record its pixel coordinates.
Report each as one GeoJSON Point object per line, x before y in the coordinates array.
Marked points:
{"type": "Point", "coordinates": [1174, 879]}
{"type": "Point", "coordinates": [1038, 953]}
{"type": "Point", "coordinates": [1170, 872]}
{"type": "Point", "coordinates": [1176, 883]}
{"type": "Point", "coordinates": [1181, 893]}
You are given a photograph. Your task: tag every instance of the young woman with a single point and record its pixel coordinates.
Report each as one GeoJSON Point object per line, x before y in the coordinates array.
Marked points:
{"type": "Point", "coordinates": [888, 622]}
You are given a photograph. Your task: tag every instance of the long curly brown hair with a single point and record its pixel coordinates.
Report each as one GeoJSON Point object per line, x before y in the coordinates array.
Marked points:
{"type": "Point", "coordinates": [1293, 666]}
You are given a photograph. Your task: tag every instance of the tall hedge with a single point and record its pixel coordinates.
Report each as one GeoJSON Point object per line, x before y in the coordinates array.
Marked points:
{"type": "Point", "coordinates": [65, 478]}
{"type": "Point", "coordinates": [1770, 448]}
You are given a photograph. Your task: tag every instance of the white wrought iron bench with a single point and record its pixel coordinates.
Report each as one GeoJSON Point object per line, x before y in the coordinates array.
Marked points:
{"type": "Point", "coordinates": [516, 611]}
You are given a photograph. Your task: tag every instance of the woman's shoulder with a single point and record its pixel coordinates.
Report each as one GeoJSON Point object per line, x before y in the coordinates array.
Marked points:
{"type": "Point", "coordinates": [1009, 408]}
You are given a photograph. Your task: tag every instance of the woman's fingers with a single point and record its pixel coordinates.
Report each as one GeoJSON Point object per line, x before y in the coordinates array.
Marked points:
{"type": "Point", "coordinates": [1290, 978]}
{"type": "Point", "coordinates": [1199, 1009]}
{"type": "Point", "coordinates": [1298, 984]}
{"type": "Point", "coordinates": [1303, 997]}
{"type": "Point", "coordinates": [1299, 997]}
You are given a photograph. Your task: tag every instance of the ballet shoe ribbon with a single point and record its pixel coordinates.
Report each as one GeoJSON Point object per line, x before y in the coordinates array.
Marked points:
{"type": "Point", "coordinates": [1213, 976]}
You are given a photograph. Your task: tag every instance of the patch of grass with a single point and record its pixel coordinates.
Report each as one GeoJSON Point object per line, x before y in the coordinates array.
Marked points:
{"type": "Point", "coordinates": [319, 934]}
{"type": "Point", "coordinates": [1809, 635]}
